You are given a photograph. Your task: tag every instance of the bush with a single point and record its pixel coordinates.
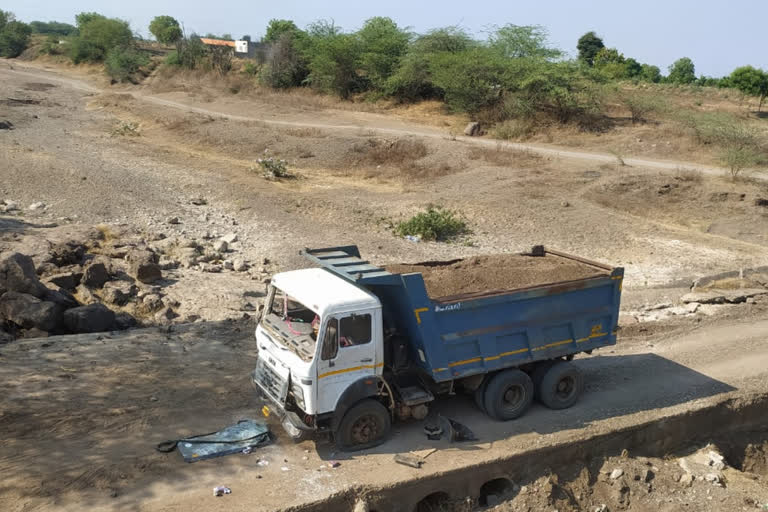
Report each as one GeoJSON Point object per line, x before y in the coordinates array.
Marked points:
{"type": "Point", "coordinates": [285, 66]}
{"type": "Point", "coordinates": [98, 35]}
{"type": "Point", "coordinates": [514, 129]}
{"type": "Point", "coordinates": [641, 105]}
{"type": "Point", "coordinates": [333, 59]}
{"type": "Point", "coordinates": [122, 63]}
{"type": "Point", "coordinates": [190, 53]}
{"type": "Point", "coordinates": [14, 38]}
{"type": "Point", "coordinates": [435, 223]}
{"type": "Point", "coordinates": [274, 168]}
{"type": "Point", "coordinates": [383, 45]}
{"type": "Point", "coordinates": [470, 80]}
{"type": "Point", "coordinates": [737, 158]}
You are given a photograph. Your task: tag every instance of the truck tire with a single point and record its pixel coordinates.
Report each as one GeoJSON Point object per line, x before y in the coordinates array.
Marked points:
{"type": "Point", "coordinates": [365, 425]}
{"type": "Point", "coordinates": [508, 395]}
{"type": "Point", "coordinates": [479, 395]}
{"type": "Point", "coordinates": [561, 386]}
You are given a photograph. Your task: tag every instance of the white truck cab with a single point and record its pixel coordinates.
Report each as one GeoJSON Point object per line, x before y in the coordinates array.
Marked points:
{"type": "Point", "coordinates": [320, 349]}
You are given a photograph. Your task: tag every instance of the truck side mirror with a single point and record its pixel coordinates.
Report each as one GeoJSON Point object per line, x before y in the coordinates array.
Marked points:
{"type": "Point", "coordinates": [331, 340]}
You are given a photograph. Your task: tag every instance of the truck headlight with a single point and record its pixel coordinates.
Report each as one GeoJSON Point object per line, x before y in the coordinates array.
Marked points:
{"type": "Point", "coordinates": [298, 394]}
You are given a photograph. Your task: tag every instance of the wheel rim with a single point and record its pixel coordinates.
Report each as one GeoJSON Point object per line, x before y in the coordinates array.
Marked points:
{"type": "Point", "coordinates": [365, 429]}
{"type": "Point", "coordinates": [513, 398]}
{"type": "Point", "coordinates": [565, 387]}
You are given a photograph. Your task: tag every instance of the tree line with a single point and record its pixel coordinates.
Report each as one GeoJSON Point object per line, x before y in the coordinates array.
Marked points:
{"type": "Point", "coordinates": [514, 72]}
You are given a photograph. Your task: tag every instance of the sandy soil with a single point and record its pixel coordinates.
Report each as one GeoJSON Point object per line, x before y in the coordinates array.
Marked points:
{"type": "Point", "coordinates": [495, 273]}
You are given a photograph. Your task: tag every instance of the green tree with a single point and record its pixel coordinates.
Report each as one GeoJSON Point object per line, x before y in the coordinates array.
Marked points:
{"type": "Point", "coordinates": [470, 80]}
{"type": "Point", "coordinates": [752, 81]}
{"type": "Point", "coordinates": [634, 68]}
{"type": "Point", "coordinates": [382, 46]}
{"type": "Point", "coordinates": [650, 73]}
{"type": "Point", "coordinates": [413, 79]}
{"type": "Point", "coordinates": [682, 71]}
{"type": "Point", "coordinates": [98, 35]}
{"type": "Point", "coordinates": [14, 38]}
{"type": "Point", "coordinates": [333, 59]}
{"type": "Point", "coordinates": [588, 46]}
{"type": "Point", "coordinates": [52, 27]}
{"type": "Point", "coordinates": [166, 29]}
{"type": "Point", "coordinates": [610, 63]}
{"type": "Point", "coordinates": [245, 37]}
{"type": "Point", "coordinates": [86, 17]}
{"type": "Point", "coordinates": [276, 28]}
{"type": "Point", "coordinates": [523, 41]}
{"type": "Point", "coordinates": [5, 17]}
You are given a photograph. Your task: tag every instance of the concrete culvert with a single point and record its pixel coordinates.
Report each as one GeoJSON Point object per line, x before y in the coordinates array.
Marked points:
{"type": "Point", "coordinates": [493, 491]}
{"type": "Point", "coordinates": [437, 501]}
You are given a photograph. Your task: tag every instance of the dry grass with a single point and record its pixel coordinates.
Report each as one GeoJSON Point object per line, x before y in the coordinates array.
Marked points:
{"type": "Point", "coordinates": [306, 132]}
{"type": "Point", "coordinates": [504, 156]}
{"type": "Point", "coordinates": [391, 152]}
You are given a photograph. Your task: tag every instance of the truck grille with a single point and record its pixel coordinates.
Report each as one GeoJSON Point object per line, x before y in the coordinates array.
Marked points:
{"type": "Point", "coordinates": [270, 382]}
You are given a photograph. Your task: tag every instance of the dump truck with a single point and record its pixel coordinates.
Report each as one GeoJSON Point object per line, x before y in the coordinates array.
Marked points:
{"type": "Point", "coordinates": [347, 347]}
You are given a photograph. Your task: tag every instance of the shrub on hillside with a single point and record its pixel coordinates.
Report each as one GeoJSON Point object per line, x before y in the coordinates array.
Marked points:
{"type": "Point", "coordinates": [98, 35]}
{"type": "Point", "coordinates": [14, 38]}
{"type": "Point", "coordinates": [122, 63]}
{"type": "Point", "coordinates": [436, 224]}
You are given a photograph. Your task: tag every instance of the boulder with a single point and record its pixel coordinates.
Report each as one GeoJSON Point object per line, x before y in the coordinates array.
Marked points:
{"type": "Point", "coordinates": [27, 311]}
{"type": "Point", "coordinates": [67, 280]}
{"type": "Point", "coordinates": [723, 296]}
{"type": "Point", "coordinates": [90, 318]}
{"type": "Point", "coordinates": [152, 302]}
{"type": "Point", "coordinates": [67, 253]}
{"type": "Point", "coordinates": [17, 274]}
{"type": "Point", "coordinates": [239, 265]}
{"type": "Point", "coordinates": [144, 265]}
{"type": "Point", "coordinates": [228, 265]}
{"type": "Point", "coordinates": [85, 295]}
{"type": "Point", "coordinates": [124, 321]}
{"type": "Point", "coordinates": [118, 292]}
{"type": "Point", "coordinates": [472, 129]}
{"type": "Point", "coordinates": [230, 238]}
{"type": "Point", "coordinates": [220, 245]}
{"type": "Point", "coordinates": [61, 297]}
{"type": "Point", "coordinates": [188, 256]}
{"type": "Point", "coordinates": [95, 274]}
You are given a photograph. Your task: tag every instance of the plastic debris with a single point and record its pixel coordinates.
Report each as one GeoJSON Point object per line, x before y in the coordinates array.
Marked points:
{"type": "Point", "coordinates": [247, 450]}
{"type": "Point", "coordinates": [413, 238]}
{"type": "Point", "coordinates": [221, 490]}
{"type": "Point", "coordinates": [457, 432]}
{"type": "Point", "coordinates": [262, 462]}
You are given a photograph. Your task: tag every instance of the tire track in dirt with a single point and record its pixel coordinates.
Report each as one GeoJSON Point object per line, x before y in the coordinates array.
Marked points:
{"type": "Point", "coordinates": [553, 152]}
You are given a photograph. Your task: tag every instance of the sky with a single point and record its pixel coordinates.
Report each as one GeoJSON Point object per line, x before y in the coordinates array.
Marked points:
{"type": "Point", "coordinates": [717, 35]}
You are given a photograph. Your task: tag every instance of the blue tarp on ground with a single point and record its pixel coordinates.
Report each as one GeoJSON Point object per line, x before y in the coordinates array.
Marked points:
{"type": "Point", "coordinates": [234, 439]}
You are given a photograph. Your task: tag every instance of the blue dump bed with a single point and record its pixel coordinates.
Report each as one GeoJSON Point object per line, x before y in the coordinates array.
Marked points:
{"type": "Point", "coordinates": [480, 332]}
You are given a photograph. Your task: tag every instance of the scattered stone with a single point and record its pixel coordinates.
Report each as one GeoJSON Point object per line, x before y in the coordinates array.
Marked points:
{"type": "Point", "coordinates": [647, 475]}
{"type": "Point", "coordinates": [95, 274]}
{"type": "Point", "coordinates": [17, 274]}
{"type": "Point", "coordinates": [173, 220]}
{"type": "Point", "coordinates": [723, 296]}
{"type": "Point", "coordinates": [230, 238]}
{"type": "Point", "coordinates": [171, 302]}
{"type": "Point", "coordinates": [67, 253]}
{"type": "Point", "coordinates": [208, 267]}
{"type": "Point", "coordinates": [91, 318]}
{"type": "Point", "coordinates": [28, 311]}
{"type": "Point", "coordinates": [199, 201]}
{"type": "Point", "coordinates": [152, 302]}
{"type": "Point", "coordinates": [661, 305]}
{"type": "Point", "coordinates": [565, 204]}
{"type": "Point", "coordinates": [167, 264]}
{"type": "Point", "coordinates": [118, 292]}
{"type": "Point", "coordinates": [228, 265]}
{"type": "Point", "coordinates": [61, 297]}
{"type": "Point", "coordinates": [85, 295]}
{"type": "Point", "coordinates": [144, 266]}
{"type": "Point", "coordinates": [9, 206]}
{"type": "Point", "coordinates": [164, 316]}
{"type": "Point", "coordinates": [692, 307]}
{"type": "Point", "coordinates": [220, 245]}
{"type": "Point", "coordinates": [37, 206]}
{"type": "Point", "coordinates": [239, 265]}
{"type": "Point", "coordinates": [616, 473]}
{"type": "Point", "coordinates": [188, 257]}
{"type": "Point", "coordinates": [713, 477]}
{"type": "Point", "coordinates": [34, 333]}
{"type": "Point", "coordinates": [67, 280]}
{"type": "Point", "coordinates": [472, 129]}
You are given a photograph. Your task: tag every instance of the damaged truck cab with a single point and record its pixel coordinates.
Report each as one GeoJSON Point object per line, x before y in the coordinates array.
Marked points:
{"type": "Point", "coordinates": [348, 347]}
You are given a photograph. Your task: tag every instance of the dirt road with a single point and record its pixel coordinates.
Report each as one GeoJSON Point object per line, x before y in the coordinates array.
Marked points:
{"type": "Point", "coordinates": [81, 414]}
{"type": "Point", "coordinates": [381, 125]}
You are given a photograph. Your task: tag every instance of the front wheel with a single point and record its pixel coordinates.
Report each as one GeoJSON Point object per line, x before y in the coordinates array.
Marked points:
{"type": "Point", "coordinates": [365, 425]}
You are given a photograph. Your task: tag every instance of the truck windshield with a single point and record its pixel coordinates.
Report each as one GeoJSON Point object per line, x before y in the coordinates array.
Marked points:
{"type": "Point", "coordinates": [295, 324]}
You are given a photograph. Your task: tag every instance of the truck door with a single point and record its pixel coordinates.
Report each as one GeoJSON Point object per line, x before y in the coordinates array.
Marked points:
{"type": "Point", "coordinates": [348, 354]}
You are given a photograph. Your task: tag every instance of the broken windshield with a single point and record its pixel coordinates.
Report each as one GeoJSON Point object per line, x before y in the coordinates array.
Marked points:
{"type": "Point", "coordinates": [295, 324]}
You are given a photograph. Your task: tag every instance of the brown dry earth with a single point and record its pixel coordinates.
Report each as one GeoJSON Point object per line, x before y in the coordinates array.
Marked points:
{"type": "Point", "coordinates": [495, 273]}
{"type": "Point", "coordinates": [78, 414]}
